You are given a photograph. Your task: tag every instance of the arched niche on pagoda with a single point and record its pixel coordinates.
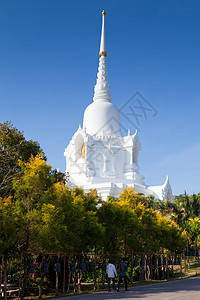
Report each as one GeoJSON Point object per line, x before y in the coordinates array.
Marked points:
{"type": "Point", "coordinates": [79, 147]}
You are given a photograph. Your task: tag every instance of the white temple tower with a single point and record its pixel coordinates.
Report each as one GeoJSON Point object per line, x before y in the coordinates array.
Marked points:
{"type": "Point", "coordinates": [98, 156]}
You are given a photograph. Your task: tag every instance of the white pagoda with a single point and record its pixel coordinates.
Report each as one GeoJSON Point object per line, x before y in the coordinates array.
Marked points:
{"type": "Point", "coordinates": [98, 156]}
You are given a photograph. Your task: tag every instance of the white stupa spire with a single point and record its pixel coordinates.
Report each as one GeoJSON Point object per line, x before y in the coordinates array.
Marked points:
{"type": "Point", "coordinates": [102, 88]}
{"type": "Point", "coordinates": [103, 36]}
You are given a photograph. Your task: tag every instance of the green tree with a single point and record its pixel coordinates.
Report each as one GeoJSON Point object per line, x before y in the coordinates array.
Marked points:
{"type": "Point", "coordinates": [179, 214]}
{"type": "Point", "coordinates": [69, 220]}
{"type": "Point", "coordinates": [8, 232]}
{"type": "Point", "coordinates": [120, 224]}
{"type": "Point", "coordinates": [132, 224]}
{"type": "Point", "coordinates": [195, 205]}
{"type": "Point", "coordinates": [194, 229]}
{"type": "Point", "coordinates": [165, 207]}
{"type": "Point", "coordinates": [8, 222]}
{"type": "Point", "coordinates": [13, 146]}
{"type": "Point", "coordinates": [29, 190]}
{"type": "Point", "coordinates": [154, 230]}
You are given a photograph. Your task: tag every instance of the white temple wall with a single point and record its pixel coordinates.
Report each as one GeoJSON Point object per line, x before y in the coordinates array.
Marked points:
{"type": "Point", "coordinates": [136, 150]}
{"type": "Point", "coordinates": [119, 162]}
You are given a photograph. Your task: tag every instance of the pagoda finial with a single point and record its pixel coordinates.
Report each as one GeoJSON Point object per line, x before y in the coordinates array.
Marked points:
{"type": "Point", "coordinates": [102, 88]}
{"type": "Point", "coordinates": [103, 37]}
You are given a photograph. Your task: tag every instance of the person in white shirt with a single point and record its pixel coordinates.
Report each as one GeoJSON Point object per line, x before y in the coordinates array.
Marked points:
{"type": "Point", "coordinates": [112, 273]}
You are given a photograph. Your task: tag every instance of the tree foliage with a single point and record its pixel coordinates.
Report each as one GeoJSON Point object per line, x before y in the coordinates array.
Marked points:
{"type": "Point", "coordinates": [53, 217]}
{"type": "Point", "coordinates": [13, 146]}
{"type": "Point", "coordinates": [44, 214]}
{"type": "Point", "coordinates": [8, 230]}
{"type": "Point", "coordinates": [185, 212]}
{"type": "Point", "coordinates": [132, 223]}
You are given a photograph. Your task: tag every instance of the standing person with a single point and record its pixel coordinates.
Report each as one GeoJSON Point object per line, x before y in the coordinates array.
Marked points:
{"type": "Point", "coordinates": [103, 268]}
{"type": "Point", "coordinates": [122, 274]}
{"type": "Point", "coordinates": [112, 273]}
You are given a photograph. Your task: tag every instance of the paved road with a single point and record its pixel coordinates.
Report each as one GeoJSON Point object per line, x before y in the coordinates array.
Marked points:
{"type": "Point", "coordinates": [185, 289]}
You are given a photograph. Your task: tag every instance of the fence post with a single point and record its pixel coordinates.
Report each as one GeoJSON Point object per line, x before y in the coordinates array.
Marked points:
{"type": "Point", "coordinates": [167, 265]}
{"type": "Point", "coordinates": [151, 268]}
{"type": "Point", "coordinates": [196, 267]}
{"type": "Point", "coordinates": [131, 267]}
{"type": "Point", "coordinates": [98, 273]}
{"type": "Point", "coordinates": [1, 275]}
{"type": "Point", "coordinates": [162, 265]}
{"type": "Point", "coordinates": [64, 274]}
{"type": "Point", "coordinates": [20, 276]}
{"type": "Point", "coordinates": [181, 265]}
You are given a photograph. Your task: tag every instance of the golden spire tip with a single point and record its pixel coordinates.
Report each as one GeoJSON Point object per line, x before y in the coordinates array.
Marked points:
{"type": "Point", "coordinates": [103, 13]}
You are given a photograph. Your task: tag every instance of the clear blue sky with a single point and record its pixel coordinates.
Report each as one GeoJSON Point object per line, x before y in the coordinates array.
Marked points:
{"type": "Point", "coordinates": [48, 64]}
